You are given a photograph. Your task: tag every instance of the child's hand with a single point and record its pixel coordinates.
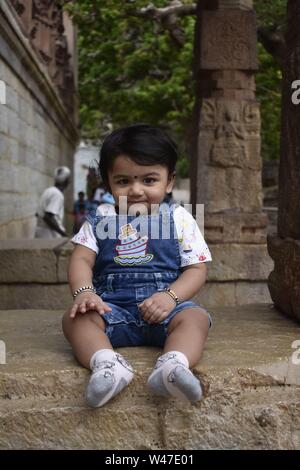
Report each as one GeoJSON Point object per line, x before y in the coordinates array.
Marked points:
{"type": "Point", "coordinates": [157, 307]}
{"type": "Point", "coordinates": [88, 301]}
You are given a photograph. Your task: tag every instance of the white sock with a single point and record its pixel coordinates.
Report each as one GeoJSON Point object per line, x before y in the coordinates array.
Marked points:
{"type": "Point", "coordinates": [110, 374]}
{"type": "Point", "coordinates": [171, 376]}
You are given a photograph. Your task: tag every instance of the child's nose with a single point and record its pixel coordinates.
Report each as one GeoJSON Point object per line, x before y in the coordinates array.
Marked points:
{"type": "Point", "coordinates": [136, 189]}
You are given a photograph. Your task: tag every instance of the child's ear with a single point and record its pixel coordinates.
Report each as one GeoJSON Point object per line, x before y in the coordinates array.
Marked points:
{"type": "Point", "coordinates": [171, 181]}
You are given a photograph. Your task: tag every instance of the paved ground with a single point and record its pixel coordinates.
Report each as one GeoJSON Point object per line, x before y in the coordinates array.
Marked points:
{"type": "Point", "coordinates": [252, 397]}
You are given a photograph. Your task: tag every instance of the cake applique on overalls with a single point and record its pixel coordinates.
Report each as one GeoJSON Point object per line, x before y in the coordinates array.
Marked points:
{"type": "Point", "coordinates": [133, 247]}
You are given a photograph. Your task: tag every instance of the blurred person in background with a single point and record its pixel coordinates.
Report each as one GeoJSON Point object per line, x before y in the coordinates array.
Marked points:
{"type": "Point", "coordinates": [50, 213]}
{"type": "Point", "coordinates": [80, 211]}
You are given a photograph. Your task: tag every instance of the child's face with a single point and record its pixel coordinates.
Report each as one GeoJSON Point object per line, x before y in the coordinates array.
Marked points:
{"type": "Point", "coordinates": [139, 183]}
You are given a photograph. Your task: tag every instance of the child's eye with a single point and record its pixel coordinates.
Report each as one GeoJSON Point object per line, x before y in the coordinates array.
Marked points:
{"type": "Point", "coordinates": [149, 180]}
{"type": "Point", "coordinates": [123, 182]}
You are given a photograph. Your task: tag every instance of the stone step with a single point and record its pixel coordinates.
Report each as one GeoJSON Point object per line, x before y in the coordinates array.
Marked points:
{"type": "Point", "coordinates": [251, 388]}
{"type": "Point", "coordinates": [33, 274]}
{"type": "Point", "coordinates": [230, 419]}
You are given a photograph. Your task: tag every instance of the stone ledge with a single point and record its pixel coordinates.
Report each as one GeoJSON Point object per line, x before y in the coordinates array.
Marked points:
{"type": "Point", "coordinates": [45, 261]}
{"type": "Point", "coordinates": [34, 260]}
{"type": "Point", "coordinates": [251, 390]}
{"type": "Point", "coordinates": [35, 296]}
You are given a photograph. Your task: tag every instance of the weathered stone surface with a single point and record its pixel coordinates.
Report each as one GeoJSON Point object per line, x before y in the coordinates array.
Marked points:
{"type": "Point", "coordinates": [58, 296]}
{"type": "Point", "coordinates": [63, 253]}
{"type": "Point", "coordinates": [239, 262]}
{"type": "Point", "coordinates": [27, 261]}
{"type": "Point", "coordinates": [249, 292]}
{"type": "Point", "coordinates": [34, 274]}
{"type": "Point", "coordinates": [226, 164]}
{"type": "Point", "coordinates": [215, 294]}
{"type": "Point", "coordinates": [233, 30]}
{"type": "Point", "coordinates": [289, 168]}
{"type": "Point", "coordinates": [35, 296]}
{"type": "Point", "coordinates": [37, 133]}
{"type": "Point", "coordinates": [235, 227]}
{"type": "Point", "coordinates": [284, 280]}
{"type": "Point", "coordinates": [251, 390]}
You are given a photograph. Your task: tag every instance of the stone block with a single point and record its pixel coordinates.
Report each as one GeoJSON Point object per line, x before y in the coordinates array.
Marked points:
{"type": "Point", "coordinates": [29, 261]}
{"type": "Point", "coordinates": [228, 40]}
{"type": "Point", "coordinates": [12, 99]}
{"type": "Point", "coordinates": [249, 292]}
{"type": "Point", "coordinates": [216, 294]}
{"type": "Point", "coordinates": [233, 188]}
{"type": "Point", "coordinates": [284, 280]}
{"type": "Point", "coordinates": [63, 253]}
{"type": "Point", "coordinates": [237, 262]}
{"type": "Point", "coordinates": [35, 296]}
{"type": "Point", "coordinates": [235, 227]}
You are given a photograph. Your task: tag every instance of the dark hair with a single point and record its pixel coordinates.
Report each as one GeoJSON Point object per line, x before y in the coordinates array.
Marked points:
{"type": "Point", "coordinates": [144, 144]}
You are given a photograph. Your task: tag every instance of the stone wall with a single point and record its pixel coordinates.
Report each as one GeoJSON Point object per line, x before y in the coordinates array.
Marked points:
{"type": "Point", "coordinates": [37, 129]}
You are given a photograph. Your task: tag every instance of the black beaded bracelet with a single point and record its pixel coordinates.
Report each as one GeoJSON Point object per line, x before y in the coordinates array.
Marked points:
{"type": "Point", "coordinates": [83, 289]}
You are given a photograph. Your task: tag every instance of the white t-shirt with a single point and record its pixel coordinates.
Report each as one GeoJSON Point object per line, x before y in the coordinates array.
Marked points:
{"type": "Point", "coordinates": [52, 200]}
{"type": "Point", "coordinates": [192, 246]}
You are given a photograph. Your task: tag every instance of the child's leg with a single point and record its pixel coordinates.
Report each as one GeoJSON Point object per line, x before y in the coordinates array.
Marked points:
{"type": "Point", "coordinates": [86, 335]}
{"type": "Point", "coordinates": [92, 348]}
{"type": "Point", "coordinates": [183, 348]}
{"type": "Point", "coordinates": [188, 331]}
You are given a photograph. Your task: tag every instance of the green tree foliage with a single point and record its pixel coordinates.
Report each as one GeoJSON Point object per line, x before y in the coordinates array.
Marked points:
{"type": "Point", "coordinates": [130, 70]}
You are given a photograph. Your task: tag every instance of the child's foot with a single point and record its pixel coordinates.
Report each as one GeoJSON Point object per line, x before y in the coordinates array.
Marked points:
{"type": "Point", "coordinates": [171, 376]}
{"type": "Point", "coordinates": [110, 374]}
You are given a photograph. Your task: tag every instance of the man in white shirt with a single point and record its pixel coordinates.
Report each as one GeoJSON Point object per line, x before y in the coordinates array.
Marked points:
{"type": "Point", "coordinates": [50, 213]}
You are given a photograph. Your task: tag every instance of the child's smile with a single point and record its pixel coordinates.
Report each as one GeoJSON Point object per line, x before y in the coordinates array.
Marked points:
{"type": "Point", "coordinates": [141, 184]}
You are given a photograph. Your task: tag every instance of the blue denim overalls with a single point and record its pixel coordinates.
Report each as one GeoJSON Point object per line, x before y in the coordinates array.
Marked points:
{"type": "Point", "coordinates": [137, 257]}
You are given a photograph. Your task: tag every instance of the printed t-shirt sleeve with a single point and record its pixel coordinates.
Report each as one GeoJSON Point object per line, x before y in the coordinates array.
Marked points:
{"type": "Point", "coordinates": [86, 237]}
{"type": "Point", "coordinates": [192, 246]}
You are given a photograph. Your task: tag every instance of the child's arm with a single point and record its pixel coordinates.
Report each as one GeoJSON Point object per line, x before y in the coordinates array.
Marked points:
{"type": "Point", "coordinates": [80, 274]}
{"type": "Point", "coordinates": [157, 307]}
{"type": "Point", "coordinates": [190, 281]}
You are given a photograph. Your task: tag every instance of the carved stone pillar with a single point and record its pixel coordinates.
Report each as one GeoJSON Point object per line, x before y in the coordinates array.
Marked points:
{"type": "Point", "coordinates": [284, 281]}
{"type": "Point", "coordinates": [42, 21]}
{"type": "Point", "coordinates": [226, 167]}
